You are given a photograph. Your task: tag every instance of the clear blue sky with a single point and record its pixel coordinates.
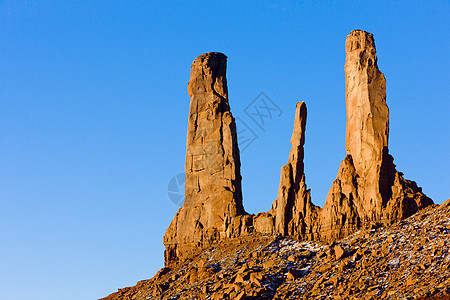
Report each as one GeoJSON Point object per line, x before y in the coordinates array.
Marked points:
{"type": "Point", "coordinates": [93, 119]}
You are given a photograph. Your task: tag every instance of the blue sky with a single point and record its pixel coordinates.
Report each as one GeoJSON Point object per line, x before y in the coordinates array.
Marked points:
{"type": "Point", "coordinates": [93, 119]}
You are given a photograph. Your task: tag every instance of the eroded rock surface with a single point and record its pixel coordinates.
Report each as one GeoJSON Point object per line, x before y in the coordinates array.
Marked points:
{"type": "Point", "coordinates": [213, 199]}
{"type": "Point", "coordinates": [408, 260]}
{"type": "Point", "coordinates": [293, 209]}
{"type": "Point", "coordinates": [367, 188]}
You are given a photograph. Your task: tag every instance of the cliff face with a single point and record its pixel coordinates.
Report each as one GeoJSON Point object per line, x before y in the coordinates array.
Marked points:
{"type": "Point", "coordinates": [213, 197]}
{"type": "Point", "coordinates": [368, 188]}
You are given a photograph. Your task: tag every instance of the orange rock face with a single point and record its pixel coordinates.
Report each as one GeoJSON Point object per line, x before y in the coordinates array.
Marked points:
{"type": "Point", "coordinates": [367, 113]}
{"type": "Point", "coordinates": [213, 197]}
{"type": "Point", "coordinates": [293, 205]}
{"type": "Point", "coordinates": [368, 188]}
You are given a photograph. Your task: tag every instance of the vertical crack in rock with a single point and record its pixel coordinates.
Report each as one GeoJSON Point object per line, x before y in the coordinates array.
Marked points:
{"type": "Point", "coordinates": [213, 197]}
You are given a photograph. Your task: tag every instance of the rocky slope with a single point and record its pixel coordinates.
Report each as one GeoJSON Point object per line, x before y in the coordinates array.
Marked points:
{"type": "Point", "coordinates": [408, 260]}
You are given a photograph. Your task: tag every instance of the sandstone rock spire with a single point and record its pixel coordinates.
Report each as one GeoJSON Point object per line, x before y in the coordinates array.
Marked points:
{"type": "Point", "coordinates": [213, 197]}
{"type": "Point", "coordinates": [293, 201]}
{"type": "Point", "coordinates": [368, 188]}
{"type": "Point", "coordinates": [367, 113]}
{"type": "Point", "coordinates": [367, 130]}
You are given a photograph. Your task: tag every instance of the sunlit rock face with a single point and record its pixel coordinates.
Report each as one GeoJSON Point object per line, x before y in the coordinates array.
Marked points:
{"type": "Point", "coordinates": [293, 209]}
{"type": "Point", "coordinates": [213, 197]}
{"type": "Point", "coordinates": [368, 189]}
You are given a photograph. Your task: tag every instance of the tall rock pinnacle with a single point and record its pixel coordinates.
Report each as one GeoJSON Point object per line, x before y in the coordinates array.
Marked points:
{"type": "Point", "coordinates": [367, 113]}
{"type": "Point", "coordinates": [213, 197]}
{"type": "Point", "coordinates": [368, 188]}
{"type": "Point", "coordinates": [212, 158]}
{"type": "Point", "coordinates": [293, 201]}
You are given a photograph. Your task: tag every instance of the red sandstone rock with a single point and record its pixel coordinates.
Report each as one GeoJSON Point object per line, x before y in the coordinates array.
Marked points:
{"type": "Point", "coordinates": [338, 252]}
{"type": "Point", "coordinates": [367, 190]}
{"type": "Point", "coordinates": [293, 207]}
{"type": "Point", "coordinates": [213, 197]}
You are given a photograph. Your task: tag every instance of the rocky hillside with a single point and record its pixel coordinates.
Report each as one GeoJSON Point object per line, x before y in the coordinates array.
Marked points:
{"type": "Point", "coordinates": [408, 260]}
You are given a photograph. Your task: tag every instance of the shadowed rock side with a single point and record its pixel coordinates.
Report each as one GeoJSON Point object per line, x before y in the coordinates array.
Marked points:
{"type": "Point", "coordinates": [213, 199]}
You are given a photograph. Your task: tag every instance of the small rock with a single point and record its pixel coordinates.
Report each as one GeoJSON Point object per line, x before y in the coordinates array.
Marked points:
{"type": "Point", "coordinates": [241, 296]}
{"type": "Point", "coordinates": [292, 258]}
{"type": "Point", "coordinates": [205, 289]}
{"type": "Point", "coordinates": [268, 264]}
{"type": "Point", "coordinates": [290, 276]}
{"type": "Point", "coordinates": [338, 252]}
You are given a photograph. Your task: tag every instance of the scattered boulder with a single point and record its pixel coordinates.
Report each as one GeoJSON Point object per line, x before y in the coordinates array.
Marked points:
{"type": "Point", "coordinates": [338, 252]}
{"type": "Point", "coordinates": [256, 278]}
{"type": "Point", "coordinates": [385, 269]}
{"type": "Point", "coordinates": [241, 296]}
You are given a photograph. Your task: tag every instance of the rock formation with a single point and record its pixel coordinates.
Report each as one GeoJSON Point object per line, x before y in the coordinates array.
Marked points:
{"type": "Point", "coordinates": [293, 208]}
{"type": "Point", "coordinates": [213, 199]}
{"type": "Point", "coordinates": [408, 260]}
{"type": "Point", "coordinates": [204, 260]}
{"type": "Point", "coordinates": [367, 190]}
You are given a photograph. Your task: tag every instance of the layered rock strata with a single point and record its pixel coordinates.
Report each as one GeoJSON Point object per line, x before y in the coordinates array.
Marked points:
{"type": "Point", "coordinates": [212, 209]}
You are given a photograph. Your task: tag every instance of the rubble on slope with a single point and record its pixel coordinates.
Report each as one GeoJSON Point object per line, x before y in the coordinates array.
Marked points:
{"type": "Point", "coordinates": [408, 260]}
